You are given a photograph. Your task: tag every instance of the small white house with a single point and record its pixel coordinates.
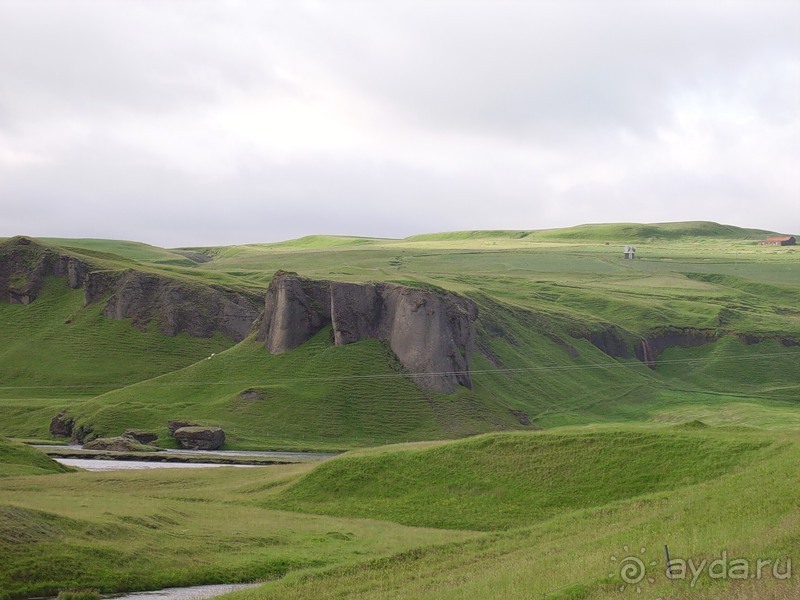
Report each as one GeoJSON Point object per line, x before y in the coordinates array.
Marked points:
{"type": "Point", "coordinates": [630, 252]}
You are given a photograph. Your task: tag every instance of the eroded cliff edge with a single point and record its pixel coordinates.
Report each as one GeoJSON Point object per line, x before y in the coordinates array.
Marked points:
{"type": "Point", "coordinates": [179, 307]}
{"type": "Point", "coordinates": [24, 265]}
{"type": "Point", "coordinates": [431, 332]}
{"type": "Point", "coordinates": [173, 305]}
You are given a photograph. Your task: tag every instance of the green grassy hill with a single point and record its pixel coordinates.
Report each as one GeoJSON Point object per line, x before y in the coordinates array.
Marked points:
{"type": "Point", "coordinates": [551, 515]}
{"type": "Point", "coordinates": [542, 296]}
{"type": "Point", "coordinates": [135, 251]}
{"type": "Point", "coordinates": [17, 459]}
{"type": "Point", "coordinates": [582, 458]}
{"type": "Point", "coordinates": [319, 396]}
{"type": "Point", "coordinates": [663, 487]}
{"type": "Point", "coordinates": [502, 481]}
{"type": "Point", "coordinates": [617, 232]}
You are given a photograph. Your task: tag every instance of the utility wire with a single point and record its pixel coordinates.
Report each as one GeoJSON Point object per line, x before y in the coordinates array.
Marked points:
{"type": "Point", "coordinates": [377, 376]}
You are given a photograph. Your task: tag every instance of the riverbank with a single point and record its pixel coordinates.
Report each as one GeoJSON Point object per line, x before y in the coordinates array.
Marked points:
{"type": "Point", "coordinates": [218, 457]}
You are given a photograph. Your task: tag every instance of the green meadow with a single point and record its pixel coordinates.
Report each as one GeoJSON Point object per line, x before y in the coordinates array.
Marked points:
{"type": "Point", "coordinates": [507, 515]}
{"type": "Point", "coordinates": [558, 464]}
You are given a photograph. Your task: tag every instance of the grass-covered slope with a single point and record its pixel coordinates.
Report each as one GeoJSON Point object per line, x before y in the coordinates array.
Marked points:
{"type": "Point", "coordinates": [55, 353]}
{"type": "Point", "coordinates": [161, 528]}
{"type": "Point", "coordinates": [525, 365]}
{"type": "Point", "coordinates": [19, 459]}
{"type": "Point", "coordinates": [616, 232]}
{"type": "Point", "coordinates": [56, 346]}
{"type": "Point", "coordinates": [560, 505]}
{"type": "Point", "coordinates": [540, 294]}
{"type": "Point", "coordinates": [744, 510]}
{"type": "Point", "coordinates": [318, 395]}
{"type": "Point", "coordinates": [134, 251]}
{"type": "Point", "coordinates": [502, 481]}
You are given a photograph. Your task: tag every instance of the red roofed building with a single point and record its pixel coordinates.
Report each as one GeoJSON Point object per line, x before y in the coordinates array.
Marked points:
{"type": "Point", "coordinates": [781, 240]}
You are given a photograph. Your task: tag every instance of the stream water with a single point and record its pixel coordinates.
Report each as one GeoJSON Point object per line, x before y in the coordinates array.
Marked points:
{"type": "Point", "coordinates": [91, 464]}
{"type": "Point", "coordinates": [201, 592]}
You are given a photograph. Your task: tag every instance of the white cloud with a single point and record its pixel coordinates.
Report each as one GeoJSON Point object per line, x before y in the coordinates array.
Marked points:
{"type": "Point", "coordinates": [216, 122]}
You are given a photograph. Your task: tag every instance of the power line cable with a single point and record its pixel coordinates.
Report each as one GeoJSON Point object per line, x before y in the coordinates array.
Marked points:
{"type": "Point", "coordinates": [379, 376]}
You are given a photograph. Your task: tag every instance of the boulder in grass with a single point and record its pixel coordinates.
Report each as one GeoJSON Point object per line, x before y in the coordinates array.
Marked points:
{"type": "Point", "coordinates": [61, 425]}
{"type": "Point", "coordinates": [176, 424]}
{"type": "Point", "coordinates": [200, 438]}
{"type": "Point", "coordinates": [141, 436]}
{"type": "Point", "coordinates": [118, 444]}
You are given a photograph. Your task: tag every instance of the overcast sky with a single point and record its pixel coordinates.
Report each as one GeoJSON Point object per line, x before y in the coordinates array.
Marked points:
{"type": "Point", "coordinates": [199, 123]}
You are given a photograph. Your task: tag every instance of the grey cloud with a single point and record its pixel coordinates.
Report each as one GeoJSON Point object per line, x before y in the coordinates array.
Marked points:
{"type": "Point", "coordinates": [543, 114]}
{"type": "Point", "coordinates": [552, 68]}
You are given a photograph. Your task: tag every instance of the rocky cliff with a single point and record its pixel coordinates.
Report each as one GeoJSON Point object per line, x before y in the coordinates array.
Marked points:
{"type": "Point", "coordinates": [180, 307]}
{"type": "Point", "coordinates": [431, 332]}
{"type": "Point", "coordinates": [174, 305]}
{"type": "Point", "coordinates": [649, 349]}
{"type": "Point", "coordinates": [24, 265]}
{"type": "Point", "coordinates": [618, 343]}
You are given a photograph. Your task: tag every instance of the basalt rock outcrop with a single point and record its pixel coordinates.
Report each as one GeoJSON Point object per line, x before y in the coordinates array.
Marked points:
{"type": "Point", "coordinates": [649, 349]}
{"type": "Point", "coordinates": [140, 436]}
{"type": "Point", "coordinates": [118, 444]}
{"type": "Point", "coordinates": [24, 265]}
{"type": "Point", "coordinates": [62, 425]}
{"type": "Point", "coordinates": [174, 425]}
{"type": "Point", "coordinates": [612, 340]}
{"type": "Point", "coordinates": [200, 438]}
{"type": "Point", "coordinates": [174, 305]}
{"type": "Point", "coordinates": [431, 332]}
{"type": "Point", "coordinates": [619, 343]}
{"type": "Point", "coordinates": [180, 307]}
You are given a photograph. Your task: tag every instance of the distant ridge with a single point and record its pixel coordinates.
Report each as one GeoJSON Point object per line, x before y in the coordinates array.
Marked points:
{"type": "Point", "coordinates": [610, 232]}
{"type": "Point", "coordinates": [186, 255]}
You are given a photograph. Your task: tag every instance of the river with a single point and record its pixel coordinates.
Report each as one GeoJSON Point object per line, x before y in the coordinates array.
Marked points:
{"type": "Point", "coordinates": [96, 464]}
{"type": "Point", "coordinates": [199, 592]}
{"type": "Point", "coordinates": [191, 593]}
{"type": "Point", "coordinates": [99, 464]}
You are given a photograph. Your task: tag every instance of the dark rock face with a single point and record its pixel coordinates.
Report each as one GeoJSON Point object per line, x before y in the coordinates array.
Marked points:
{"type": "Point", "coordinates": [24, 264]}
{"type": "Point", "coordinates": [295, 309]}
{"type": "Point", "coordinates": [82, 433]}
{"type": "Point", "coordinates": [61, 425]}
{"type": "Point", "coordinates": [200, 438]}
{"type": "Point", "coordinates": [173, 426]}
{"type": "Point", "coordinates": [179, 307]}
{"type": "Point", "coordinates": [140, 436]}
{"type": "Point", "coordinates": [251, 394]}
{"type": "Point", "coordinates": [750, 339]}
{"type": "Point", "coordinates": [611, 340]}
{"type": "Point", "coordinates": [176, 306]}
{"type": "Point", "coordinates": [114, 444]}
{"type": "Point", "coordinates": [431, 332]}
{"type": "Point", "coordinates": [98, 285]}
{"type": "Point", "coordinates": [654, 344]}
{"type": "Point", "coordinates": [522, 416]}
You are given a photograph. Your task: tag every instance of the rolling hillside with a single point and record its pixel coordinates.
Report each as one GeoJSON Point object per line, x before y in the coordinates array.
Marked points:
{"type": "Point", "coordinates": [552, 514]}
{"type": "Point", "coordinates": [608, 407]}
{"type": "Point", "coordinates": [563, 333]}
{"type": "Point", "coordinates": [17, 459]}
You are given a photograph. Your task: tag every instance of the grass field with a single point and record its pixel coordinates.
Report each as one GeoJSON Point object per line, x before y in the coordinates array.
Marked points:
{"type": "Point", "coordinates": [534, 290]}
{"type": "Point", "coordinates": [516, 515]}
{"type": "Point", "coordinates": [441, 495]}
{"type": "Point", "coordinates": [748, 512]}
{"type": "Point", "coordinates": [17, 459]}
